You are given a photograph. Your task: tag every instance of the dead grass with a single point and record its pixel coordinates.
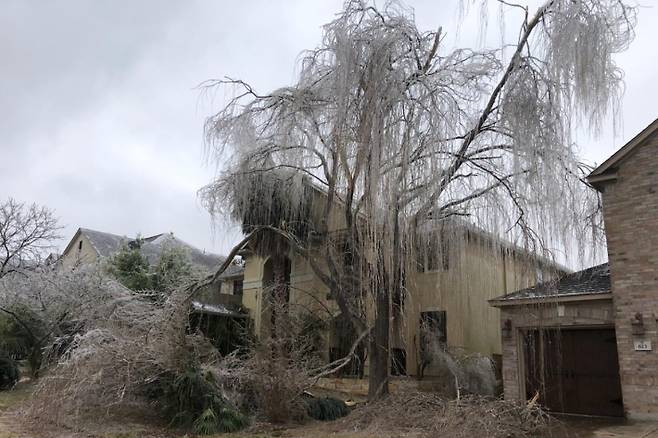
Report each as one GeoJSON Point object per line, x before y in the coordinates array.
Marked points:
{"type": "Point", "coordinates": [14, 397]}
{"type": "Point", "coordinates": [409, 415]}
{"type": "Point", "coordinates": [418, 414]}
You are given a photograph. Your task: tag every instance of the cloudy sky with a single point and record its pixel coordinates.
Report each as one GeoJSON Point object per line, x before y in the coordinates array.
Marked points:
{"type": "Point", "coordinates": [100, 118]}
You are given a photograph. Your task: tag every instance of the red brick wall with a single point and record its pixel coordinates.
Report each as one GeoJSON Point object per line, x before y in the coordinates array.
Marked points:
{"type": "Point", "coordinates": [630, 207]}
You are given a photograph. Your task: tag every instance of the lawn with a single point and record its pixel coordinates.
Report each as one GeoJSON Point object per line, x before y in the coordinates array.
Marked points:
{"type": "Point", "coordinates": [136, 425]}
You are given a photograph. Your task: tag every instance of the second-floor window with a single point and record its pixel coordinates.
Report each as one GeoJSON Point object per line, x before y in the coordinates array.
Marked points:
{"type": "Point", "coordinates": [433, 326]}
{"type": "Point", "coordinates": [430, 258]}
{"type": "Point", "coordinates": [237, 287]}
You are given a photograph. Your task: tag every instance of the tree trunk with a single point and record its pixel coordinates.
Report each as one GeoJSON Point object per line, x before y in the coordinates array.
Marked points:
{"type": "Point", "coordinates": [34, 360]}
{"type": "Point", "coordinates": [279, 292]}
{"type": "Point", "coordinates": [379, 354]}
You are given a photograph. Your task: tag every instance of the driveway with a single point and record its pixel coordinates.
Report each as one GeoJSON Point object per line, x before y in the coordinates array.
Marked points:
{"type": "Point", "coordinates": [584, 427]}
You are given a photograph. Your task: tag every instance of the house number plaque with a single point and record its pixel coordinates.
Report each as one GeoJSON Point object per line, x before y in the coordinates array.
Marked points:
{"type": "Point", "coordinates": [642, 345]}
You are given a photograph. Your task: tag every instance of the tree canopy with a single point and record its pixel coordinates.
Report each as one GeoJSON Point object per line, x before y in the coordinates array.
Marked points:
{"type": "Point", "coordinates": [27, 232]}
{"type": "Point", "coordinates": [131, 268]}
{"type": "Point", "coordinates": [403, 134]}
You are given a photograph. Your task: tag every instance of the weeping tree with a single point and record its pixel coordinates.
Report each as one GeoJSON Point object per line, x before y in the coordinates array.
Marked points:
{"type": "Point", "coordinates": [395, 135]}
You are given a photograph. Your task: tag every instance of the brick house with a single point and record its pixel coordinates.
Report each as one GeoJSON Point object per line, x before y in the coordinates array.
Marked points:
{"type": "Point", "coordinates": [628, 182]}
{"type": "Point", "coordinates": [581, 340]}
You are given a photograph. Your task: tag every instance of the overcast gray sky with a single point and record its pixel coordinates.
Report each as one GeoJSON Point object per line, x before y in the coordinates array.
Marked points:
{"type": "Point", "coordinates": [100, 119]}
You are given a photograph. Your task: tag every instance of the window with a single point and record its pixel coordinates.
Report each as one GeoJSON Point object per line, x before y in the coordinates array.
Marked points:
{"type": "Point", "coordinates": [237, 287]}
{"type": "Point", "coordinates": [433, 259]}
{"type": "Point", "coordinates": [80, 245]}
{"type": "Point", "coordinates": [398, 362]}
{"type": "Point", "coordinates": [433, 326]}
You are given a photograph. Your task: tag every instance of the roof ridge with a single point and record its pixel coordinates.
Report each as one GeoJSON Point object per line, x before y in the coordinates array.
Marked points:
{"type": "Point", "coordinates": [597, 175]}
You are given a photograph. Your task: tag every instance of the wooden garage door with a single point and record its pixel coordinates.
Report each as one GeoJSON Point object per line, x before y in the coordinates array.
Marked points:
{"type": "Point", "coordinates": [575, 370]}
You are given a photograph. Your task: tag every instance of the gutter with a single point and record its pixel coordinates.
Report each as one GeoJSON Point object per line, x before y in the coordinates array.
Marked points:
{"type": "Point", "coordinates": [509, 302]}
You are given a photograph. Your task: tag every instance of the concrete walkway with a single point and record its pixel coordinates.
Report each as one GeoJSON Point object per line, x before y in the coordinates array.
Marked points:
{"type": "Point", "coordinates": [588, 427]}
{"type": "Point", "coordinates": [636, 430]}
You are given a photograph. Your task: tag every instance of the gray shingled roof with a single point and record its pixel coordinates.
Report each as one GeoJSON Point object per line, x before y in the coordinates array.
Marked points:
{"type": "Point", "coordinates": [153, 246]}
{"type": "Point", "coordinates": [594, 280]}
{"type": "Point", "coordinates": [105, 244]}
{"type": "Point", "coordinates": [233, 270]}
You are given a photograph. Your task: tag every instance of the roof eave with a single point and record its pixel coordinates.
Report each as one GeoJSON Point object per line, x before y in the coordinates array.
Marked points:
{"type": "Point", "coordinates": [590, 296]}
{"type": "Point", "coordinates": [612, 162]}
{"type": "Point", "coordinates": [599, 181]}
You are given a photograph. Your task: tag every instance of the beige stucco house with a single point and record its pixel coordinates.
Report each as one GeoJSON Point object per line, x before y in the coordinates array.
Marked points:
{"type": "Point", "coordinates": [447, 295]}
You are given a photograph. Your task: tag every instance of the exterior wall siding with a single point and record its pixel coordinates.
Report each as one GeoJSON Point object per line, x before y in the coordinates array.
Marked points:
{"type": "Point", "coordinates": [77, 255]}
{"type": "Point", "coordinates": [476, 274]}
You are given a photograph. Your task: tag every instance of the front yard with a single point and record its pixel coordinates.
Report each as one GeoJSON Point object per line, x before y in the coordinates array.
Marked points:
{"type": "Point", "coordinates": [412, 416]}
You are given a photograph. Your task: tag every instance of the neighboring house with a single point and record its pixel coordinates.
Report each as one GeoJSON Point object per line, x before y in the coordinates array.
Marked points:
{"type": "Point", "coordinates": [599, 335]}
{"type": "Point", "coordinates": [227, 291]}
{"type": "Point", "coordinates": [90, 246]}
{"type": "Point", "coordinates": [216, 309]}
{"type": "Point", "coordinates": [446, 296]}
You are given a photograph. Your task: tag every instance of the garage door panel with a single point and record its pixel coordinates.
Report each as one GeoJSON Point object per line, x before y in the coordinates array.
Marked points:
{"type": "Point", "coordinates": [574, 370]}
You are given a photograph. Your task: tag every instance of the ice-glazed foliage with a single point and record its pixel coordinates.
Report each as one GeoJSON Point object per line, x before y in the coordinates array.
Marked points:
{"type": "Point", "coordinates": [48, 307]}
{"type": "Point", "coordinates": [107, 347]}
{"type": "Point", "coordinates": [256, 197]}
{"type": "Point", "coordinates": [580, 39]}
{"type": "Point", "coordinates": [386, 120]}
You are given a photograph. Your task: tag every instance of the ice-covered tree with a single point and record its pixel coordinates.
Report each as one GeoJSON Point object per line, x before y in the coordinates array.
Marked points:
{"type": "Point", "coordinates": [45, 307]}
{"type": "Point", "coordinates": [27, 232]}
{"type": "Point", "coordinates": [172, 270]}
{"type": "Point", "coordinates": [402, 135]}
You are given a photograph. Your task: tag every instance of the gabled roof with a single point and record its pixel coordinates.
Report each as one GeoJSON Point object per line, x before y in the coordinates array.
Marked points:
{"type": "Point", "coordinates": [606, 171]}
{"type": "Point", "coordinates": [107, 244]}
{"type": "Point", "coordinates": [594, 281]}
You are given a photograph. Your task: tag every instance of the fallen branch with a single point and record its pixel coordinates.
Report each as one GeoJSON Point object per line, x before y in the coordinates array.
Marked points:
{"type": "Point", "coordinates": [339, 364]}
{"type": "Point", "coordinates": [195, 287]}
